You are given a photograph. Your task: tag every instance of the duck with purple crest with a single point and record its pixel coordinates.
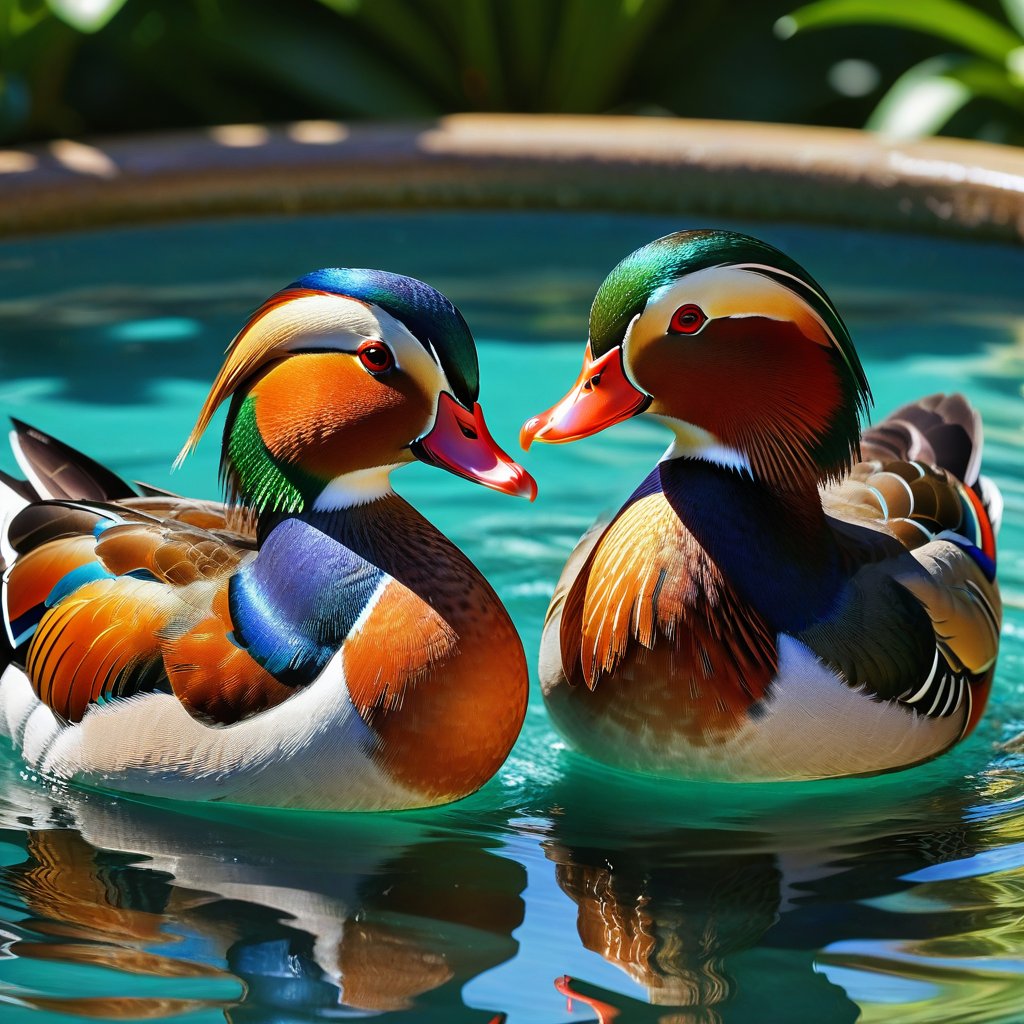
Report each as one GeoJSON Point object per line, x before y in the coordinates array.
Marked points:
{"type": "Point", "coordinates": [313, 642]}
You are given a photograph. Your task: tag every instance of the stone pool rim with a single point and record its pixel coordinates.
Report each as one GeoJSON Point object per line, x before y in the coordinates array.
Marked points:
{"type": "Point", "coordinates": [735, 170]}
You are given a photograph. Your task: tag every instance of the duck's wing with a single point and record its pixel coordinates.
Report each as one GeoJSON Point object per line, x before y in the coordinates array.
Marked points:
{"type": "Point", "coordinates": [643, 583]}
{"type": "Point", "coordinates": [919, 621]}
{"type": "Point", "coordinates": [106, 602]}
{"type": "Point", "coordinates": [107, 594]}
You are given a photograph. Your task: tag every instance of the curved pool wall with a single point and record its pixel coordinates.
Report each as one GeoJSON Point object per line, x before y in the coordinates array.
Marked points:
{"type": "Point", "coordinates": [893, 899]}
{"type": "Point", "coordinates": [622, 164]}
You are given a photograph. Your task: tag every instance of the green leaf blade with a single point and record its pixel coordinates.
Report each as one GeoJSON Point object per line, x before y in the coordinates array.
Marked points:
{"type": "Point", "coordinates": [950, 20]}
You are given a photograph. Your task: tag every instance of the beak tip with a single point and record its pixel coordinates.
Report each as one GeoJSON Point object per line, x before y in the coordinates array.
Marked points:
{"type": "Point", "coordinates": [528, 432]}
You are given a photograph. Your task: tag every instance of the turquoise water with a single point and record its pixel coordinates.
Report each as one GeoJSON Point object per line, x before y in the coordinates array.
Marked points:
{"type": "Point", "coordinates": [895, 899]}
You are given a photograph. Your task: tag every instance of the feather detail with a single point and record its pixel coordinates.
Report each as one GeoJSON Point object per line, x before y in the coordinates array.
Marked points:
{"type": "Point", "coordinates": [648, 601]}
{"type": "Point", "coordinates": [98, 643]}
{"type": "Point", "coordinates": [931, 644]}
{"type": "Point", "coordinates": [118, 600]}
{"type": "Point", "coordinates": [397, 644]}
{"type": "Point", "coordinates": [216, 680]}
{"type": "Point", "coordinates": [57, 470]}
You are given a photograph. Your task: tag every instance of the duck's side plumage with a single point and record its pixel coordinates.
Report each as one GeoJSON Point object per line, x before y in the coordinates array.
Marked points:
{"type": "Point", "coordinates": [125, 612]}
{"type": "Point", "coordinates": [690, 632]}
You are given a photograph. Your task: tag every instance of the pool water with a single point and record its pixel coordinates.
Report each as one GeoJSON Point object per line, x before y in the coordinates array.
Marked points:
{"type": "Point", "coordinates": [895, 899]}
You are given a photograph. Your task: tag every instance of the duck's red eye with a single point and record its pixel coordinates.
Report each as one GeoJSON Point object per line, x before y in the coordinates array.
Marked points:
{"type": "Point", "coordinates": [376, 356]}
{"type": "Point", "coordinates": [688, 319]}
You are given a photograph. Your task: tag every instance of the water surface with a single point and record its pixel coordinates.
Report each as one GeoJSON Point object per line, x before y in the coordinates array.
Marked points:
{"type": "Point", "coordinates": [892, 899]}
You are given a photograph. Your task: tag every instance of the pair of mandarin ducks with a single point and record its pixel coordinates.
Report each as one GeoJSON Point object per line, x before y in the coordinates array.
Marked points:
{"type": "Point", "coordinates": [781, 598]}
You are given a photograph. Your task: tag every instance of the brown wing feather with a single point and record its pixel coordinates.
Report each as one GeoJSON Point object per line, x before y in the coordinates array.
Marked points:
{"type": "Point", "coordinates": [941, 430]}
{"type": "Point", "coordinates": [963, 605]}
{"type": "Point", "coordinates": [230, 521]}
{"type": "Point", "coordinates": [909, 501]}
{"type": "Point", "coordinates": [117, 636]}
{"type": "Point", "coordinates": [172, 553]}
{"type": "Point", "coordinates": [650, 619]}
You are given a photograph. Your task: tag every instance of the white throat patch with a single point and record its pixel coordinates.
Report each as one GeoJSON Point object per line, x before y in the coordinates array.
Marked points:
{"type": "Point", "coordinates": [357, 488]}
{"type": "Point", "coordinates": [693, 442]}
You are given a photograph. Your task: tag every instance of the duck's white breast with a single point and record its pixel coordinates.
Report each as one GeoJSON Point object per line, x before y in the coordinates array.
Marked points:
{"type": "Point", "coordinates": [813, 725]}
{"type": "Point", "coordinates": [313, 751]}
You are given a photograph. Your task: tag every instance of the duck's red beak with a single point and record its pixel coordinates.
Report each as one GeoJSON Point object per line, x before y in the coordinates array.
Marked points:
{"type": "Point", "coordinates": [601, 396]}
{"type": "Point", "coordinates": [460, 442]}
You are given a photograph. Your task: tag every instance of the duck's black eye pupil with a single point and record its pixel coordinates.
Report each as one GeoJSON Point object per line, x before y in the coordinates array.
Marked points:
{"type": "Point", "coordinates": [376, 356]}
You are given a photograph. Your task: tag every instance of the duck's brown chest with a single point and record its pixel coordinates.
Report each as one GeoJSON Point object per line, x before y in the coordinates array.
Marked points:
{"type": "Point", "coordinates": [439, 672]}
{"type": "Point", "coordinates": [653, 640]}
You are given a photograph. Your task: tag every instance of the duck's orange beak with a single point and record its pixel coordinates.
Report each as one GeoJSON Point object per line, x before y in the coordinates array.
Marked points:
{"type": "Point", "coordinates": [460, 442]}
{"type": "Point", "coordinates": [601, 396]}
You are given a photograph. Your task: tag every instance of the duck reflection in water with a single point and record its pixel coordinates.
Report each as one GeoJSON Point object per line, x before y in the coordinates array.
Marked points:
{"type": "Point", "coordinates": [670, 926]}
{"type": "Point", "coordinates": [731, 925]}
{"type": "Point", "coordinates": [268, 918]}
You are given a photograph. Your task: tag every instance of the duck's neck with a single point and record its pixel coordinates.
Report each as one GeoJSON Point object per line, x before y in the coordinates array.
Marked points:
{"type": "Point", "coordinates": [774, 545]}
{"type": "Point", "coordinates": [364, 527]}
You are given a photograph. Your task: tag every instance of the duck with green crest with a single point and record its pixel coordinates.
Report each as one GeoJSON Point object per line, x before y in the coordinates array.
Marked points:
{"type": "Point", "coordinates": [312, 643]}
{"type": "Point", "coordinates": [783, 597]}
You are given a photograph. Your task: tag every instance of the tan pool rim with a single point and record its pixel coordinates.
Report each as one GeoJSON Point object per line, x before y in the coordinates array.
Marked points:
{"type": "Point", "coordinates": [507, 162]}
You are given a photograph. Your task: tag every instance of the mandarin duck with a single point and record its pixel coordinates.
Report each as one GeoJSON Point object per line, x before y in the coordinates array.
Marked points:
{"type": "Point", "coordinates": [313, 642]}
{"type": "Point", "coordinates": [782, 597]}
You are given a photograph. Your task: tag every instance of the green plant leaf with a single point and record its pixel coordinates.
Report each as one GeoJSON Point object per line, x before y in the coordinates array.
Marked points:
{"type": "Point", "coordinates": [409, 35]}
{"type": "Point", "coordinates": [340, 73]}
{"type": "Point", "coordinates": [1015, 14]}
{"type": "Point", "coordinates": [85, 15]}
{"type": "Point", "coordinates": [923, 99]}
{"type": "Point", "coordinates": [948, 19]}
{"type": "Point", "coordinates": [595, 45]}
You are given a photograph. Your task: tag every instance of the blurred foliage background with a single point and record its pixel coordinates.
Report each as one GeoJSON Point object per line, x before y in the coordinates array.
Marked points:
{"type": "Point", "coordinates": [84, 67]}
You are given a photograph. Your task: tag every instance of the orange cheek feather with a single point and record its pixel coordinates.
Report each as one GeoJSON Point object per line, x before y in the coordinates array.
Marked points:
{"type": "Point", "coordinates": [325, 411]}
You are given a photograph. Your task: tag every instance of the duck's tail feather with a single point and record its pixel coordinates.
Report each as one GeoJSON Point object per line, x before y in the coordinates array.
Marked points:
{"type": "Point", "coordinates": [940, 430]}
{"type": "Point", "coordinates": [55, 470]}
